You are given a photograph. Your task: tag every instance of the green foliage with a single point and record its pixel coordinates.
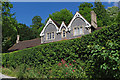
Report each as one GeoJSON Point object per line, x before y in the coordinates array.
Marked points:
{"type": "Point", "coordinates": [106, 60]}
{"type": "Point", "coordinates": [36, 25]}
{"type": "Point", "coordinates": [36, 22]}
{"type": "Point", "coordinates": [25, 32]}
{"type": "Point", "coordinates": [102, 17]}
{"type": "Point", "coordinates": [10, 28]}
{"type": "Point", "coordinates": [67, 70]}
{"type": "Point", "coordinates": [41, 28]}
{"type": "Point", "coordinates": [43, 57]}
{"type": "Point", "coordinates": [112, 12]}
{"type": "Point", "coordinates": [85, 9]}
{"type": "Point", "coordinates": [118, 18]}
{"type": "Point", "coordinates": [9, 24]}
{"type": "Point", "coordinates": [9, 72]}
{"type": "Point", "coordinates": [63, 15]}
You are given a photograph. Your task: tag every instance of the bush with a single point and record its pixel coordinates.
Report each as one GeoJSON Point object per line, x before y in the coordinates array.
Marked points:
{"type": "Point", "coordinates": [67, 70]}
{"type": "Point", "coordinates": [106, 61]}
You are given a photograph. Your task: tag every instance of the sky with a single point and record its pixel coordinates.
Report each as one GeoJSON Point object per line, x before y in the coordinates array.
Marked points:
{"type": "Point", "coordinates": [25, 11]}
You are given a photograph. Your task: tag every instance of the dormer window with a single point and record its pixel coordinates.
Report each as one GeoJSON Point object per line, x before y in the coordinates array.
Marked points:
{"type": "Point", "coordinates": [63, 33]}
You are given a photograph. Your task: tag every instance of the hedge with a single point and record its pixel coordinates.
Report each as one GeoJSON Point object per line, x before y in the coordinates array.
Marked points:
{"type": "Point", "coordinates": [49, 54]}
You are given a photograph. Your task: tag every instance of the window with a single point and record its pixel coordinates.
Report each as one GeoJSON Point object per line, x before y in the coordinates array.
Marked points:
{"type": "Point", "coordinates": [78, 30]}
{"type": "Point", "coordinates": [50, 36]}
{"type": "Point", "coordinates": [81, 31]}
{"type": "Point", "coordinates": [63, 33]}
{"type": "Point", "coordinates": [53, 35]}
{"type": "Point", "coordinates": [75, 31]}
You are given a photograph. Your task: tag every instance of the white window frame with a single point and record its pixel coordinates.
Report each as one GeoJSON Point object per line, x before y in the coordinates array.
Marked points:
{"type": "Point", "coordinates": [62, 33]}
{"type": "Point", "coordinates": [77, 30]}
{"type": "Point", "coordinates": [49, 36]}
{"type": "Point", "coordinates": [81, 29]}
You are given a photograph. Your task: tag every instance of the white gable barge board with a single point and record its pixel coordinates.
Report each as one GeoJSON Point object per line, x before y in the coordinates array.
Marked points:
{"type": "Point", "coordinates": [48, 22]}
{"type": "Point", "coordinates": [80, 16]}
{"type": "Point", "coordinates": [63, 25]}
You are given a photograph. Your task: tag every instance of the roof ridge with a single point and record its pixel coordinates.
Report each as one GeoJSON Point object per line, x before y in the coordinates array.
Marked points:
{"type": "Point", "coordinates": [29, 40]}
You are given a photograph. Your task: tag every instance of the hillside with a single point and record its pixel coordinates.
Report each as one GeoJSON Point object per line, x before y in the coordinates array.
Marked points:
{"type": "Point", "coordinates": [45, 57]}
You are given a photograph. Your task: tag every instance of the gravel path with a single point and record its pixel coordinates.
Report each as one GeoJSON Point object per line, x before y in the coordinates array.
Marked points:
{"type": "Point", "coordinates": [5, 76]}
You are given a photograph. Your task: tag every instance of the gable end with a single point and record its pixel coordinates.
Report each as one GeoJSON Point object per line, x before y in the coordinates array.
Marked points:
{"type": "Point", "coordinates": [50, 21]}
{"type": "Point", "coordinates": [80, 16]}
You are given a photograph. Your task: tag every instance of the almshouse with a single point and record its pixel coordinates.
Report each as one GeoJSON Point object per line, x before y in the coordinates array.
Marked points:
{"type": "Point", "coordinates": [77, 27]}
{"type": "Point", "coordinates": [52, 31]}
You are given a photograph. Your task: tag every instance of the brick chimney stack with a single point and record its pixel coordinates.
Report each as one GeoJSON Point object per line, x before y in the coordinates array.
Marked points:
{"type": "Point", "coordinates": [93, 19]}
{"type": "Point", "coordinates": [18, 37]}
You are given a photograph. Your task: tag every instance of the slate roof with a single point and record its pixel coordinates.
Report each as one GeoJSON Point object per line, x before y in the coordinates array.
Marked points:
{"type": "Point", "coordinates": [58, 25]}
{"type": "Point", "coordinates": [25, 44]}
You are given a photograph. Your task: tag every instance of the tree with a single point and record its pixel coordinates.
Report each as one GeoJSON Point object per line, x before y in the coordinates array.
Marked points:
{"type": "Point", "coordinates": [112, 12]}
{"type": "Point", "coordinates": [118, 18]}
{"type": "Point", "coordinates": [41, 28]}
{"type": "Point", "coordinates": [9, 24]}
{"type": "Point", "coordinates": [36, 25]}
{"type": "Point", "coordinates": [36, 22]}
{"type": "Point", "coordinates": [11, 28]}
{"type": "Point", "coordinates": [102, 18]}
{"type": "Point", "coordinates": [25, 32]}
{"type": "Point", "coordinates": [85, 9]}
{"type": "Point", "coordinates": [62, 15]}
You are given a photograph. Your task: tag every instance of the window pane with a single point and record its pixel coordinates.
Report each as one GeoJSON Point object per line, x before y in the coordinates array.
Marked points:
{"type": "Point", "coordinates": [50, 35]}
{"type": "Point", "coordinates": [63, 33]}
{"type": "Point", "coordinates": [74, 31]}
{"type": "Point", "coordinates": [53, 35]}
{"type": "Point", "coordinates": [81, 31]}
{"type": "Point", "coordinates": [47, 35]}
{"type": "Point", "coordinates": [78, 32]}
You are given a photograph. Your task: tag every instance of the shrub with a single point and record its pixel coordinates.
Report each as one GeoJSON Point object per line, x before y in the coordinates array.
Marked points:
{"type": "Point", "coordinates": [106, 61]}
{"type": "Point", "coordinates": [67, 70]}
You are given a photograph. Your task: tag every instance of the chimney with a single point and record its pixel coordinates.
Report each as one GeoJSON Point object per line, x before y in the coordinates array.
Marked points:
{"type": "Point", "coordinates": [93, 19]}
{"type": "Point", "coordinates": [18, 37]}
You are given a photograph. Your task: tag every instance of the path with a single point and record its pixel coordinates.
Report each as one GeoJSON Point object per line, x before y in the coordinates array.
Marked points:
{"type": "Point", "coordinates": [5, 76]}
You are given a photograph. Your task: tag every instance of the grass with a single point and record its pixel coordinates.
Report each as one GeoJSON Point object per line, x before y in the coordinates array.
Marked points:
{"type": "Point", "coordinates": [9, 72]}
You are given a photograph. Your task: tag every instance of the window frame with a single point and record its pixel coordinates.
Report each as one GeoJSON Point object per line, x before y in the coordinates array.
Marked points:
{"type": "Point", "coordinates": [62, 33]}
{"type": "Point", "coordinates": [50, 35]}
{"type": "Point", "coordinates": [78, 29]}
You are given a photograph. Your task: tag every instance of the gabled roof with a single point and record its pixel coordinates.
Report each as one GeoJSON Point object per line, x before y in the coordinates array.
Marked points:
{"type": "Point", "coordinates": [58, 27]}
{"type": "Point", "coordinates": [77, 14]}
{"type": "Point", "coordinates": [25, 44]}
{"type": "Point", "coordinates": [49, 21]}
{"type": "Point", "coordinates": [63, 25]}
